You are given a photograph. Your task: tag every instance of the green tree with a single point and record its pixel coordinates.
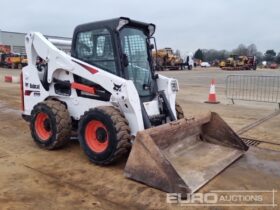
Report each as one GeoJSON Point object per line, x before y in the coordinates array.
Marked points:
{"type": "Point", "coordinates": [270, 55]}
{"type": "Point", "coordinates": [214, 55]}
{"type": "Point", "coordinates": [199, 55]}
{"type": "Point", "coordinates": [252, 50]}
{"type": "Point", "coordinates": [241, 50]}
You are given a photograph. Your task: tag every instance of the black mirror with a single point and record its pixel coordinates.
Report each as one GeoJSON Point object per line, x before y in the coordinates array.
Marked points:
{"type": "Point", "coordinates": [125, 60]}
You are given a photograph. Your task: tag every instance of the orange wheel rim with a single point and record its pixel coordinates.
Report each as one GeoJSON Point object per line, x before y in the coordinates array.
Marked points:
{"type": "Point", "coordinates": [42, 126]}
{"type": "Point", "coordinates": [96, 136]}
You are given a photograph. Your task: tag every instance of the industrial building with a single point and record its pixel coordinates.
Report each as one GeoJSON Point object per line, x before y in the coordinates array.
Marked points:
{"type": "Point", "coordinates": [14, 42]}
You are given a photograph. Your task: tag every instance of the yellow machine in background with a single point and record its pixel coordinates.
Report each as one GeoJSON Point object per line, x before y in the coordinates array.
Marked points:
{"type": "Point", "coordinates": [222, 63]}
{"type": "Point", "coordinates": [166, 59]}
{"type": "Point", "coordinates": [239, 62]}
{"type": "Point", "coordinates": [24, 61]}
{"type": "Point", "coordinates": [10, 60]}
{"type": "Point", "coordinates": [13, 60]}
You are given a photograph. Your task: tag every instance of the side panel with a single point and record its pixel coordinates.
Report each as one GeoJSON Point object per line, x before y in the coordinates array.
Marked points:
{"type": "Point", "coordinates": [129, 103]}
{"type": "Point", "coordinates": [165, 84]}
{"type": "Point", "coordinates": [34, 93]}
{"type": "Point", "coordinates": [33, 90]}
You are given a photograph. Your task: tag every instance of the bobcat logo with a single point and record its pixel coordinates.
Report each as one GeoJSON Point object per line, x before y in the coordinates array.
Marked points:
{"type": "Point", "coordinates": [117, 88]}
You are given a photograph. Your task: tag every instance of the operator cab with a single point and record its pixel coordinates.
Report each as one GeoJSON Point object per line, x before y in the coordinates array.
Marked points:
{"type": "Point", "coordinates": [119, 46]}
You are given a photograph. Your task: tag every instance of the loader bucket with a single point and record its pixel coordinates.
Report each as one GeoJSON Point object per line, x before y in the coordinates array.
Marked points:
{"type": "Point", "coordinates": [182, 156]}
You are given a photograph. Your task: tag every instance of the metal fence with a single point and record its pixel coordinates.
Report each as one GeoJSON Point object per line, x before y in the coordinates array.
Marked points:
{"type": "Point", "coordinates": [253, 88]}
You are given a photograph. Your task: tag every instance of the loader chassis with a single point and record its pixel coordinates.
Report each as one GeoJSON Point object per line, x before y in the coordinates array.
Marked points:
{"type": "Point", "coordinates": [97, 60]}
{"type": "Point", "coordinates": [110, 66]}
{"type": "Point", "coordinates": [107, 91]}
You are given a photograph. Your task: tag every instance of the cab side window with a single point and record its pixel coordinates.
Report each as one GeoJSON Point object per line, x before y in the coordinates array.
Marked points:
{"type": "Point", "coordinates": [95, 47]}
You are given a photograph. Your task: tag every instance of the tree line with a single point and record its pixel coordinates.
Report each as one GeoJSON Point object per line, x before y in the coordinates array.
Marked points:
{"type": "Point", "coordinates": [212, 55]}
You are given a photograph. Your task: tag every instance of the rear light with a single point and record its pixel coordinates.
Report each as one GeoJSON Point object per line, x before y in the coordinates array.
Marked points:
{"type": "Point", "coordinates": [28, 92]}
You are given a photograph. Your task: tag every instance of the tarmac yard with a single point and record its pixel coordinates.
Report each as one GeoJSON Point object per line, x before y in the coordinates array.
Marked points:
{"type": "Point", "coordinates": [32, 178]}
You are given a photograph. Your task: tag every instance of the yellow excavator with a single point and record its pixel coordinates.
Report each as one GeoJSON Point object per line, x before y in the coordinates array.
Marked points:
{"type": "Point", "coordinates": [166, 59]}
{"type": "Point", "coordinates": [239, 62]}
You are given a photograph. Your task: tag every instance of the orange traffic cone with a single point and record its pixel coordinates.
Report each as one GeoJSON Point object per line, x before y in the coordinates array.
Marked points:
{"type": "Point", "coordinates": [212, 98]}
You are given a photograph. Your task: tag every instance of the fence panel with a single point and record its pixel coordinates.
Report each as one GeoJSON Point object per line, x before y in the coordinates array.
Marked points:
{"type": "Point", "coordinates": [253, 88]}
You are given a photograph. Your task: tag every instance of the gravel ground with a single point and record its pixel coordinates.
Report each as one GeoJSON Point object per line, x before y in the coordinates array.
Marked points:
{"type": "Point", "coordinates": [32, 178]}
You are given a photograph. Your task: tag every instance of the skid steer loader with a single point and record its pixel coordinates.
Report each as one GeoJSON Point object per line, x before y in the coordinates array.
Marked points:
{"type": "Point", "coordinates": [108, 92]}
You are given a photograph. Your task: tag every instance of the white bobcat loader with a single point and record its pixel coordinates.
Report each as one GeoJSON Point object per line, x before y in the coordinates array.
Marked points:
{"type": "Point", "coordinates": [108, 92]}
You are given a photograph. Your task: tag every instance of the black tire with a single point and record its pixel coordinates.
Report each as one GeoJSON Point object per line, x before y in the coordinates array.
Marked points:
{"type": "Point", "coordinates": [109, 137]}
{"type": "Point", "coordinates": [179, 111]}
{"type": "Point", "coordinates": [189, 67]}
{"type": "Point", "coordinates": [57, 124]}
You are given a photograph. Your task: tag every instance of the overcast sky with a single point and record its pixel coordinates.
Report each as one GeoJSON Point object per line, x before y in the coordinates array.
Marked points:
{"type": "Point", "coordinates": [181, 24]}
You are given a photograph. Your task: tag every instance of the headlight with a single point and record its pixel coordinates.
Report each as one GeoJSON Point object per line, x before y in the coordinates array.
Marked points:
{"type": "Point", "coordinates": [174, 86]}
